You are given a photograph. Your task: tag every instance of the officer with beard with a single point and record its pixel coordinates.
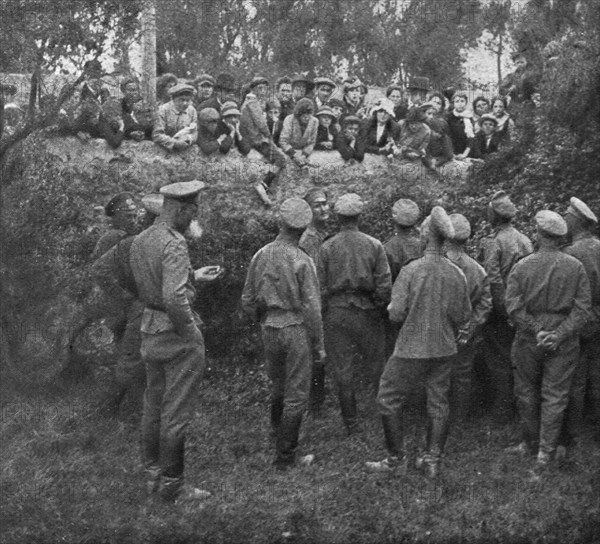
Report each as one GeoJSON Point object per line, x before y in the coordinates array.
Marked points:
{"type": "Point", "coordinates": [172, 343]}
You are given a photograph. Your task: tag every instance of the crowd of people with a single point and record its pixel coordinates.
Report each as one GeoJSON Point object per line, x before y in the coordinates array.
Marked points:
{"type": "Point", "coordinates": [410, 312]}
{"type": "Point", "coordinates": [290, 118]}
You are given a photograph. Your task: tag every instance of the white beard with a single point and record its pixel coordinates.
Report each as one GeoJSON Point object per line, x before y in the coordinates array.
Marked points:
{"type": "Point", "coordinates": [194, 231]}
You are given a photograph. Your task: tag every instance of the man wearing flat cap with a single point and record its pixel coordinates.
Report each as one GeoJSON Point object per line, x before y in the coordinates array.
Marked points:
{"type": "Point", "coordinates": [172, 343]}
{"type": "Point", "coordinates": [355, 284]}
{"type": "Point", "coordinates": [176, 125]}
{"type": "Point", "coordinates": [311, 241]}
{"type": "Point", "coordinates": [498, 253]}
{"type": "Point", "coordinates": [480, 296]}
{"type": "Point", "coordinates": [548, 300]}
{"type": "Point", "coordinates": [282, 292]}
{"type": "Point", "coordinates": [585, 247]}
{"type": "Point", "coordinates": [324, 88]}
{"type": "Point", "coordinates": [431, 302]}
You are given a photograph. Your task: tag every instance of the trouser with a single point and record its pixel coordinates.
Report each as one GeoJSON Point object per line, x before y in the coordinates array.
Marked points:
{"type": "Point", "coordinates": [317, 387]}
{"type": "Point", "coordinates": [462, 371]}
{"type": "Point", "coordinates": [585, 385]}
{"type": "Point", "coordinates": [542, 383]}
{"type": "Point", "coordinates": [289, 364]}
{"type": "Point", "coordinates": [174, 367]}
{"type": "Point", "coordinates": [498, 337]}
{"type": "Point", "coordinates": [349, 332]}
{"type": "Point", "coordinates": [400, 377]}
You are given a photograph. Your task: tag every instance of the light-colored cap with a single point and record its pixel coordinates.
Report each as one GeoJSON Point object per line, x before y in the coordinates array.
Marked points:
{"type": "Point", "coordinates": [462, 227]}
{"type": "Point", "coordinates": [325, 110]}
{"type": "Point", "coordinates": [488, 117]}
{"type": "Point", "coordinates": [502, 205]}
{"type": "Point", "coordinates": [182, 190]}
{"type": "Point", "coordinates": [405, 212]}
{"type": "Point", "coordinates": [230, 108]}
{"type": "Point", "coordinates": [551, 223]}
{"type": "Point", "coordinates": [181, 88]}
{"type": "Point", "coordinates": [324, 81]}
{"type": "Point", "coordinates": [153, 203]}
{"type": "Point", "coordinates": [315, 194]}
{"type": "Point", "coordinates": [440, 223]}
{"type": "Point", "coordinates": [349, 205]}
{"type": "Point", "coordinates": [295, 213]}
{"type": "Point", "coordinates": [206, 115]}
{"type": "Point", "coordinates": [580, 209]}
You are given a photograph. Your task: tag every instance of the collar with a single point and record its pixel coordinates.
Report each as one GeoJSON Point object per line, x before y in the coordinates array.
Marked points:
{"type": "Point", "coordinates": [284, 238]}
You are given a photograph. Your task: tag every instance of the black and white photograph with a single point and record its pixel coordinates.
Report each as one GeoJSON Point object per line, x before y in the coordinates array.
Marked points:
{"type": "Point", "coordinates": [299, 271]}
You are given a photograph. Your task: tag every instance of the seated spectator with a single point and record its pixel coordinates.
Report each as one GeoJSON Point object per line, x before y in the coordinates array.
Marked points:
{"type": "Point", "coordinates": [163, 84]}
{"type": "Point", "coordinates": [204, 85]}
{"type": "Point", "coordinates": [439, 150]}
{"type": "Point", "coordinates": [488, 139]}
{"type": "Point", "coordinates": [274, 120]}
{"type": "Point", "coordinates": [461, 126]}
{"type": "Point", "coordinates": [481, 105]}
{"type": "Point", "coordinates": [91, 120]}
{"type": "Point", "coordinates": [418, 88]}
{"type": "Point", "coordinates": [209, 140]}
{"type": "Point", "coordinates": [324, 88]}
{"type": "Point", "coordinates": [299, 133]}
{"type": "Point", "coordinates": [93, 87]}
{"type": "Point", "coordinates": [139, 123]}
{"type": "Point", "coordinates": [223, 91]}
{"type": "Point", "coordinates": [14, 117]}
{"type": "Point", "coordinates": [130, 89]}
{"type": "Point", "coordinates": [301, 87]}
{"type": "Point", "coordinates": [326, 132]}
{"type": "Point", "coordinates": [283, 89]}
{"type": "Point", "coordinates": [380, 133]}
{"type": "Point", "coordinates": [394, 94]}
{"type": "Point", "coordinates": [505, 123]}
{"type": "Point", "coordinates": [339, 110]}
{"type": "Point", "coordinates": [348, 143]}
{"type": "Point", "coordinates": [176, 124]}
{"type": "Point", "coordinates": [230, 125]}
{"type": "Point", "coordinates": [439, 101]}
{"type": "Point", "coordinates": [414, 136]}
{"type": "Point", "coordinates": [353, 99]}
{"type": "Point", "coordinates": [254, 128]}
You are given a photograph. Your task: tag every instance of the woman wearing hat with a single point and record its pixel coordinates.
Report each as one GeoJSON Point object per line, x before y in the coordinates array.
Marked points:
{"type": "Point", "coordinates": [326, 133]}
{"type": "Point", "coordinates": [299, 133]}
{"type": "Point", "coordinates": [301, 86]}
{"type": "Point", "coordinates": [381, 132]}
{"type": "Point", "coordinates": [353, 98]}
{"type": "Point", "coordinates": [414, 136]}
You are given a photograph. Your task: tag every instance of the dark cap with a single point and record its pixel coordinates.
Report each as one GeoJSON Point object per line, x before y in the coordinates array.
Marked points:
{"type": "Point", "coordinates": [122, 202]}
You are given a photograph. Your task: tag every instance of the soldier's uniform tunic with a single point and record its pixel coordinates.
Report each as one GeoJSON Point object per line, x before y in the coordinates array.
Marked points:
{"type": "Point", "coordinates": [498, 253]}
{"type": "Point", "coordinates": [546, 291]}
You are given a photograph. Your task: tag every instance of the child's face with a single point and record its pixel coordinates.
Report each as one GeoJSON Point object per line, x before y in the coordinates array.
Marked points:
{"type": "Point", "coordinates": [395, 97]}
{"type": "Point", "coordinates": [460, 104]}
{"type": "Point", "coordinates": [498, 108]}
{"type": "Point", "coordinates": [382, 116]}
{"type": "Point", "coordinates": [274, 114]}
{"type": "Point", "coordinates": [337, 111]}
{"type": "Point", "coordinates": [430, 114]}
{"type": "Point", "coordinates": [353, 94]}
{"type": "Point", "coordinates": [298, 90]}
{"type": "Point", "coordinates": [285, 91]}
{"type": "Point", "coordinates": [481, 107]}
{"type": "Point", "coordinates": [325, 120]}
{"type": "Point", "coordinates": [305, 118]}
{"type": "Point", "coordinates": [487, 127]}
{"type": "Point", "coordinates": [414, 126]}
{"type": "Point", "coordinates": [351, 130]}
{"type": "Point", "coordinates": [205, 91]}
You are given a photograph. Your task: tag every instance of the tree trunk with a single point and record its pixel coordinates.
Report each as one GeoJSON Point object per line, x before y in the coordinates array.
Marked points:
{"type": "Point", "coordinates": [148, 83]}
{"type": "Point", "coordinates": [499, 58]}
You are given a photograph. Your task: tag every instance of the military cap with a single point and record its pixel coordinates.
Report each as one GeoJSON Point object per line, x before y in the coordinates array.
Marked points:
{"type": "Point", "coordinates": [258, 80]}
{"type": "Point", "coordinates": [462, 227]}
{"type": "Point", "coordinates": [205, 78]}
{"type": "Point", "coordinates": [502, 205]}
{"type": "Point", "coordinates": [349, 205]}
{"type": "Point", "coordinates": [123, 202]}
{"type": "Point", "coordinates": [230, 108]}
{"type": "Point", "coordinates": [551, 223]}
{"type": "Point", "coordinates": [180, 89]}
{"type": "Point", "coordinates": [418, 84]}
{"type": "Point", "coordinates": [324, 81]}
{"type": "Point", "coordinates": [182, 190]}
{"type": "Point", "coordinates": [488, 117]}
{"type": "Point", "coordinates": [440, 222]}
{"type": "Point", "coordinates": [405, 212]}
{"type": "Point", "coordinates": [295, 213]}
{"type": "Point", "coordinates": [206, 115]}
{"type": "Point", "coordinates": [315, 194]}
{"type": "Point", "coordinates": [350, 119]}
{"type": "Point", "coordinates": [580, 209]}
{"type": "Point", "coordinates": [325, 110]}
{"type": "Point", "coordinates": [153, 203]}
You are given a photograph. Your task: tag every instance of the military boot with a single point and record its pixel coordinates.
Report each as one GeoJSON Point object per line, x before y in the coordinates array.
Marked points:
{"type": "Point", "coordinates": [287, 441]}
{"type": "Point", "coordinates": [437, 433]}
{"type": "Point", "coordinates": [276, 413]}
{"type": "Point", "coordinates": [348, 409]}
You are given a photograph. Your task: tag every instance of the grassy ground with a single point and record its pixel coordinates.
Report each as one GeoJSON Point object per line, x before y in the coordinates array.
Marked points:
{"type": "Point", "coordinates": [70, 476]}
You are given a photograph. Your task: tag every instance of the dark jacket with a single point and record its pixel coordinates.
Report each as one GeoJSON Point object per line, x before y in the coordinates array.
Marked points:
{"type": "Point", "coordinates": [323, 136]}
{"type": "Point", "coordinates": [440, 146]}
{"type": "Point", "coordinates": [209, 144]}
{"type": "Point", "coordinates": [368, 135]}
{"type": "Point", "coordinates": [459, 138]}
{"type": "Point", "coordinates": [242, 144]}
{"type": "Point", "coordinates": [482, 147]}
{"type": "Point", "coordinates": [342, 144]}
{"type": "Point", "coordinates": [132, 125]}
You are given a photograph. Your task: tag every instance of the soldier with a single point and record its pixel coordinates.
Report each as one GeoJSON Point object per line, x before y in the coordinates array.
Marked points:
{"type": "Point", "coordinates": [282, 292]}
{"type": "Point", "coordinates": [122, 213]}
{"type": "Point", "coordinates": [355, 284]}
{"type": "Point", "coordinates": [172, 343]}
{"type": "Point", "coordinates": [431, 301]}
{"type": "Point", "coordinates": [480, 296]}
{"type": "Point", "coordinates": [404, 246]}
{"type": "Point", "coordinates": [498, 254]}
{"type": "Point", "coordinates": [585, 247]}
{"type": "Point", "coordinates": [311, 241]}
{"type": "Point", "coordinates": [548, 299]}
